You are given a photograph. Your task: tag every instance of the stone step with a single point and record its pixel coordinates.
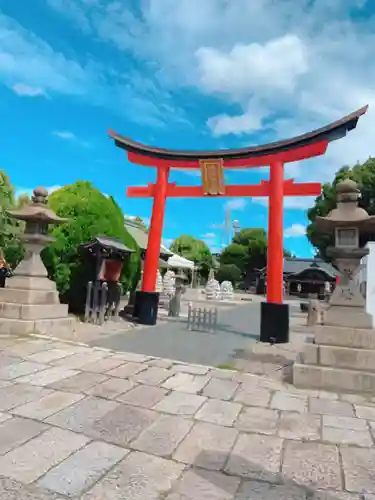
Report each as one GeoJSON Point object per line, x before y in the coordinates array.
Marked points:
{"type": "Point", "coordinates": [332, 378]}
{"type": "Point", "coordinates": [30, 283]}
{"type": "Point", "coordinates": [18, 296]}
{"type": "Point", "coordinates": [32, 311]}
{"type": "Point", "coordinates": [340, 357]}
{"type": "Point", "coordinates": [50, 327]}
{"type": "Point", "coordinates": [345, 337]}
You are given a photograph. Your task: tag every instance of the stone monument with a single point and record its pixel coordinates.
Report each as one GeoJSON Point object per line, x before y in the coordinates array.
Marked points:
{"type": "Point", "coordinates": [226, 291]}
{"type": "Point", "coordinates": [169, 281]}
{"type": "Point", "coordinates": [212, 287]}
{"type": "Point", "coordinates": [29, 303]}
{"type": "Point", "coordinates": [342, 355]}
{"type": "Point", "coordinates": [159, 283]}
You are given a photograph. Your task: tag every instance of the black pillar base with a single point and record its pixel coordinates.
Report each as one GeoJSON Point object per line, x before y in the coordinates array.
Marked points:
{"type": "Point", "coordinates": [274, 323]}
{"type": "Point", "coordinates": [146, 307]}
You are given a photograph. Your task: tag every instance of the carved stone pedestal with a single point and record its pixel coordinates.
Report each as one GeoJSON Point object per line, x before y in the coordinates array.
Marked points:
{"type": "Point", "coordinates": [340, 359]}
{"type": "Point", "coordinates": [29, 303]}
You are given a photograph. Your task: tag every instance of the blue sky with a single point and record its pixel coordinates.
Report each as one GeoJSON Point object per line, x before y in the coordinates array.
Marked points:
{"type": "Point", "coordinates": [186, 74]}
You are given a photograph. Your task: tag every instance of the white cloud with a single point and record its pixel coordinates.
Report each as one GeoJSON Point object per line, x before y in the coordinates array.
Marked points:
{"type": "Point", "coordinates": [287, 66]}
{"type": "Point", "coordinates": [250, 68]}
{"type": "Point", "coordinates": [65, 134]}
{"type": "Point", "coordinates": [24, 90]}
{"type": "Point", "coordinates": [295, 231]}
{"type": "Point", "coordinates": [209, 236]}
{"type": "Point", "coordinates": [236, 204]}
{"type": "Point", "coordinates": [30, 66]}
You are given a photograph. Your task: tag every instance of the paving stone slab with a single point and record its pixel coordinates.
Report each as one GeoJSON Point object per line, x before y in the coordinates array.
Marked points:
{"type": "Point", "coordinates": [24, 349]}
{"type": "Point", "coordinates": [180, 403]}
{"type": "Point", "coordinates": [289, 402]}
{"type": "Point", "coordinates": [367, 412]}
{"type": "Point", "coordinates": [79, 383]}
{"type": "Point", "coordinates": [83, 415]}
{"type": "Point", "coordinates": [313, 464]}
{"type": "Point", "coordinates": [138, 477]}
{"type": "Point", "coordinates": [358, 465]}
{"type": "Point", "coordinates": [262, 420]}
{"type": "Point", "coordinates": [127, 370]}
{"type": "Point", "coordinates": [185, 382]}
{"type": "Point", "coordinates": [356, 424]}
{"type": "Point", "coordinates": [122, 425]}
{"type": "Point", "coordinates": [47, 405]}
{"type": "Point", "coordinates": [14, 490]}
{"type": "Point", "coordinates": [161, 363]}
{"type": "Point", "coordinates": [193, 369]}
{"type": "Point", "coordinates": [47, 377]}
{"type": "Point", "coordinates": [207, 446]}
{"type": "Point", "coordinates": [30, 461]}
{"type": "Point", "coordinates": [18, 394]}
{"type": "Point", "coordinates": [4, 416]}
{"type": "Point", "coordinates": [51, 355]}
{"type": "Point", "coordinates": [15, 370]}
{"type": "Point", "coordinates": [146, 396]}
{"type": "Point", "coordinates": [334, 495]}
{"type": "Point", "coordinates": [256, 457]}
{"type": "Point", "coordinates": [224, 374]}
{"type": "Point", "coordinates": [258, 396]}
{"type": "Point", "coordinates": [254, 490]}
{"type": "Point", "coordinates": [132, 357]}
{"type": "Point", "coordinates": [16, 431]}
{"type": "Point", "coordinates": [220, 389]}
{"type": "Point", "coordinates": [152, 376]}
{"type": "Point", "coordinates": [163, 436]}
{"type": "Point", "coordinates": [293, 425]}
{"type": "Point", "coordinates": [347, 436]}
{"type": "Point", "coordinates": [219, 412]}
{"type": "Point", "coordinates": [111, 388]}
{"type": "Point", "coordinates": [199, 484]}
{"type": "Point", "coordinates": [329, 407]}
{"type": "Point", "coordinates": [102, 365]}
{"type": "Point", "coordinates": [82, 469]}
{"type": "Point", "coordinates": [76, 361]}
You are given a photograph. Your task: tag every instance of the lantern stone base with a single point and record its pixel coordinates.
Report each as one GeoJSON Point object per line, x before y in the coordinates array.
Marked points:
{"type": "Point", "coordinates": [32, 306]}
{"type": "Point", "coordinates": [339, 359]}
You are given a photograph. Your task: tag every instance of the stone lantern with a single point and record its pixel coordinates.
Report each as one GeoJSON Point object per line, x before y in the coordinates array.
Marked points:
{"type": "Point", "coordinates": [30, 301]}
{"type": "Point", "coordinates": [347, 222]}
{"type": "Point", "coordinates": [341, 355]}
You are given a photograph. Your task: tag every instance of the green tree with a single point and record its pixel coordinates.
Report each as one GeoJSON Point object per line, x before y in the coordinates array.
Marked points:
{"type": "Point", "coordinates": [89, 214]}
{"type": "Point", "coordinates": [364, 175]}
{"type": "Point", "coordinates": [228, 272]}
{"type": "Point", "coordinates": [248, 250]}
{"type": "Point", "coordinates": [10, 245]}
{"type": "Point", "coordinates": [194, 249]}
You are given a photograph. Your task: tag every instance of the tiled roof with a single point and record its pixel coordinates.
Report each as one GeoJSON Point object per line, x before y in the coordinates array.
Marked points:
{"type": "Point", "coordinates": [141, 236]}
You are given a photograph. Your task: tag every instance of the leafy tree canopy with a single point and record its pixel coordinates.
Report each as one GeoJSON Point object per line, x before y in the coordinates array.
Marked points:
{"type": "Point", "coordinates": [228, 272]}
{"type": "Point", "coordinates": [364, 175]}
{"type": "Point", "coordinates": [248, 250]}
{"type": "Point", "coordinates": [10, 245]}
{"type": "Point", "coordinates": [194, 249]}
{"type": "Point", "coordinates": [89, 214]}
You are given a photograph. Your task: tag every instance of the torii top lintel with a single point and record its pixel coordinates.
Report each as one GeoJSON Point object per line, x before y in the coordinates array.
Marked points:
{"type": "Point", "coordinates": [298, 148]}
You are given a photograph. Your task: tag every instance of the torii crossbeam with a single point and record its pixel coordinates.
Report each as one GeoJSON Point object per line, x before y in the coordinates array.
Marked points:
{"type": "Point", "coordinates": [211, 164]}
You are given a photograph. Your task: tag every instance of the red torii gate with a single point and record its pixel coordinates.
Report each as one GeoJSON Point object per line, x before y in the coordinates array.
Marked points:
{"type": "Point", "coordinates": [211, 164]}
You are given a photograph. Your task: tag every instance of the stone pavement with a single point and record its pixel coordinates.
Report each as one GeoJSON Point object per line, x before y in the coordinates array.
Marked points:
{"type": "Point", "coordinates": [92, 424]}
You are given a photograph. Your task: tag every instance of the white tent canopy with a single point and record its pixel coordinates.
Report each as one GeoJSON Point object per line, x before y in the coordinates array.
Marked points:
{"type": "Point", "coordinates": [180, 262]}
